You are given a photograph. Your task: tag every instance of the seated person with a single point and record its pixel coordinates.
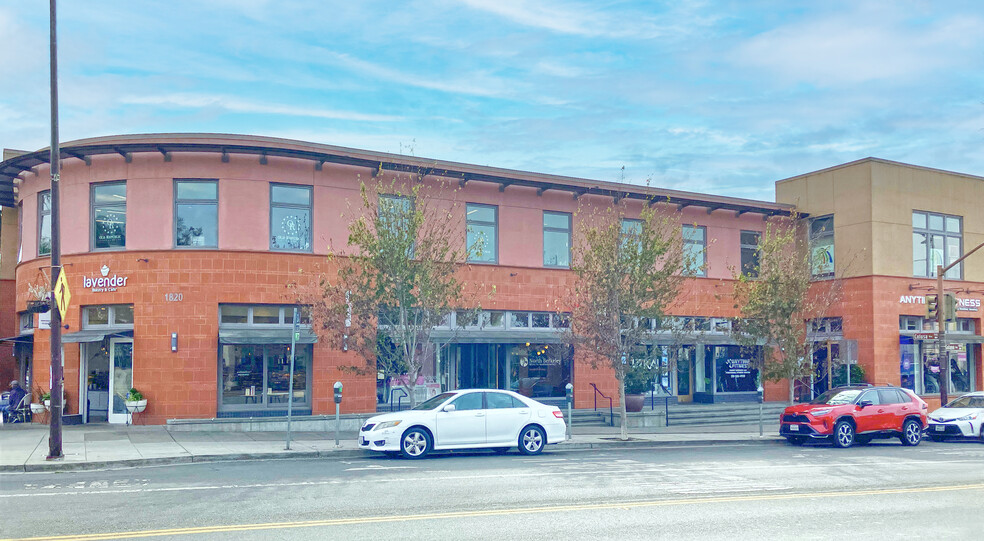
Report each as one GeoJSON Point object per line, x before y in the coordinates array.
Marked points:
{"type": "Point", "coordinates": [13, 399]}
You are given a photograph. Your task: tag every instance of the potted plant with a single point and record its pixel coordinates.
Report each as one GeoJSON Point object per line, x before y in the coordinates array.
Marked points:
{"type": "Point", "coordinates": [638, 381]}
{"type": "Point", "coordinates": [135, 402]}
{"type": "Point", "coordinates": [46, 399]}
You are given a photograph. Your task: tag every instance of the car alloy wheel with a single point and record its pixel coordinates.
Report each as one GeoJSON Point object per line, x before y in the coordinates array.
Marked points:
{"type": "Point", "coordinates": [531, 440]}
{"type": "Point", "coordinates": [415, 443]}
{"type": "Point", "coordinates": [911, 433]}
{"type": "Point", "coordinates": [843, 434]}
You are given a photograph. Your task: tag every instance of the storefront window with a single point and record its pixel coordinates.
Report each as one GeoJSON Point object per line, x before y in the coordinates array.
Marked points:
{"type": "Point", "coordinates": [540, 370]}
{"type": "Point", "coordinates": [259, 376]}
{"type": "Point", "coordinates": [907, 363]}
{"type": "Point", "coordinates": [734, 369]}
{"type": "Point", "coordinates": [108, 215]}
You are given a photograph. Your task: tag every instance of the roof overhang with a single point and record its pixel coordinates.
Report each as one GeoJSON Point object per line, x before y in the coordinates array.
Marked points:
{"type": "Point", "coordinates": [166, 145]}
{"type": "Point", "coordinates": [264, 336]}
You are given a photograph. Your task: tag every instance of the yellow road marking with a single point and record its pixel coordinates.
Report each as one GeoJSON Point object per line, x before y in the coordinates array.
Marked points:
{"type": "Point", "coordinates": [495, 512]}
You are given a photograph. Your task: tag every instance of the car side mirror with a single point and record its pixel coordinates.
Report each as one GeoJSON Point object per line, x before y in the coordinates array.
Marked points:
{"type": "Point", "coordinates": [864, 403]}
{"type": "Point", "coordinates": [449, 408]}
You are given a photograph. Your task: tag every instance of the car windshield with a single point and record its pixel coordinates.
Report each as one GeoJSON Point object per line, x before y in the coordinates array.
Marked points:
{"type": "Point", "coordinates": [837, 397]}
{"type": "Point", "coordinates": [434, 402]}
{"type": "Point", "coordinates": [967, 402]}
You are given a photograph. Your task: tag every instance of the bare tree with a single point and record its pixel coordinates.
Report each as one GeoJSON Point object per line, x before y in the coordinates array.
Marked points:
{"type": "Point", "coordinates": [627, 273]}
{"type": "Point", "coordinates": [398, 281]}
{"type": "Point", "coordinates": [781, 300]}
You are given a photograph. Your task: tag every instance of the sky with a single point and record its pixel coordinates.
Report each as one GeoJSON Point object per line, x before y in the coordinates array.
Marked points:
{"type": "Point", "coordinates": [713, 97]}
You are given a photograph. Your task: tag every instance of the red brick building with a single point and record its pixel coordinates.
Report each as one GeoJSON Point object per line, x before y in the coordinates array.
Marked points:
{"type": "Point", "coordinates": [178, 250]}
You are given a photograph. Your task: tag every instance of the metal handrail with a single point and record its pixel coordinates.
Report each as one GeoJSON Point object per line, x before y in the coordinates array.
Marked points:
{"type": "Point", "coordinates": [399, 406]}
{"type": "Point", "coordinates": [611, 407]}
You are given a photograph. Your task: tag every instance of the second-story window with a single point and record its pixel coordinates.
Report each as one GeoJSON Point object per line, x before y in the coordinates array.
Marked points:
{"type": "Point", "coordinates": [290, 218]}
{"type": "Point", "coordinates": [396, 215]}
{"type": "Point", "coordinates": [44, 223]}
{"type": "Point", "coordinates": [822, 247]}
{"type": "Point", "coordinates": [750, 253]}
{"type": "Point", "coordinates": [937, 239]}
{"type": "Point", "coordinates": [108, 215]}
{"type": "Point", "coordinates": [695, 249]}
{"type": "Point", "coordinates": [196, 213]}
{"type": "Point", "coordinates": [556, 239]}
{"type": "Point", "coordinates": [481, 225]}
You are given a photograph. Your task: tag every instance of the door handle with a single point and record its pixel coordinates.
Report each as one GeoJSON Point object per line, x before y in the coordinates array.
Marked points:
{"type": "Point", "coordinates": [479, 415]}
{"type": "Point", "coordinates": [881, 411]}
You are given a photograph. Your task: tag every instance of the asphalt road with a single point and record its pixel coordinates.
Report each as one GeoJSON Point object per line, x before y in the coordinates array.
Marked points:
{"type": "Point", "coordinates": [734, 491]}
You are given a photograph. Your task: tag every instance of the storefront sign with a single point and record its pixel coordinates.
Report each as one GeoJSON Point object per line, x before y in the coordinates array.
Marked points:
{"type": "Point", "coordinates": [925, 336]}
{"type": "Point", "coordinates": [104, 283]}
{"type": "Point", "coordinates": [963, 305]}
{"type": "Point", "coordinates": [44, 320]}
{"type": "Point", "coordinates": [737, 368]}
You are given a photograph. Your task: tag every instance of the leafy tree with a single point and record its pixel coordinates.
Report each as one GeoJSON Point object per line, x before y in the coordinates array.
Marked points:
{"type": "Point", "coordinates": [777, 305]}
{"type": "Point", "coordinates": [397, 280]}
{"type": "Point", "coordinates": [627, 273]}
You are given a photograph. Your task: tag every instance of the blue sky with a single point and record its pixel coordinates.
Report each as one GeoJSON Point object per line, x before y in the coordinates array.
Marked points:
{"type": "Point", "coordinates": [717, 97]}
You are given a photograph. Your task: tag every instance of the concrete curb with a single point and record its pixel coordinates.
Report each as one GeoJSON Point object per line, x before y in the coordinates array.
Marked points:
{"type": "Point", "coordinates": [345, 454]}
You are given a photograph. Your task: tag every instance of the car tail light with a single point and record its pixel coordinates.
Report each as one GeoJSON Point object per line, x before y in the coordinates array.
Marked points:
{"type": "Point", "coordinates": [558, 414]}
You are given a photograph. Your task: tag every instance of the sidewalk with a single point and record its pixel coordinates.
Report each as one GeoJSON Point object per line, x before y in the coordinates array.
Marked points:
{"type": "Point", "coordinates": [23, 447]}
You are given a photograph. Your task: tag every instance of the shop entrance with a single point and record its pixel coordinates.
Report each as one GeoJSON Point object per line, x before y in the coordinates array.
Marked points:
{"type": "Point", "coordinates": [107, 374]}
{"type": "Point", "coordinates": [539, 371]}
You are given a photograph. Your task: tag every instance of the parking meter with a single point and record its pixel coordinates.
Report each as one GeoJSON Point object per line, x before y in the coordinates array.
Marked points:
{"type": "Point", "coordinates": [569, 390]}
{"type": "Point", "coordinates": [338, 401]}
{"type": "Point", "coordinates": [760, 397]}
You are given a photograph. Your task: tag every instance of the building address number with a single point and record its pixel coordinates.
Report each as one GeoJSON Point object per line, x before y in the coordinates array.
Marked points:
{"type": "Point", "coordinates": [173, 297]}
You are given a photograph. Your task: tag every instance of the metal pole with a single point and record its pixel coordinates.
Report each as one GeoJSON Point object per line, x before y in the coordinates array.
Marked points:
{"type": "Point", "coordinates": [338, 422]}
{"type": "Point", "coordinates": [941, 337]}
{"type": "Point", "coordinates": [570, 420]}
{"type": "Point", "coordinates": [290, 386]}
{"type": "Point", "coordinates": [57, 371]}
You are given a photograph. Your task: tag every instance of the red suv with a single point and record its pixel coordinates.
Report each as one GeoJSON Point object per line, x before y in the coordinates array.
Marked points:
{"type": "Point", "coordinates": [848, 415]}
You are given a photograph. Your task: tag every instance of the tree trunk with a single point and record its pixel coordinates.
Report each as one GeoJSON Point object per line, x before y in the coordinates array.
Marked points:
{"type": "Point", "coordinates": [621, 411]}
{"type": "Point", "coordinates": [792, 390]}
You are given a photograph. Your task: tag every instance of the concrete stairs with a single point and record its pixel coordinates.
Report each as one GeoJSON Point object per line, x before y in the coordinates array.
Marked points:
{"type": "Point", "coordinates": [732, 413]}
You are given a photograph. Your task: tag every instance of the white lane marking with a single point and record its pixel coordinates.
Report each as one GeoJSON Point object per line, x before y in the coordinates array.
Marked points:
{"type": "Point", "coordinates": [524, 475]}
{"type": "Point", "coordinates": [377, 467]}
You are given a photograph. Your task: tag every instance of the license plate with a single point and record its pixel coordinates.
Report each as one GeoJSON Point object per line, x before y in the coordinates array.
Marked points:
{"type": "Point", "coordinates": [940, 428]}
{"type": "Point", "coordinates": [794, 428]}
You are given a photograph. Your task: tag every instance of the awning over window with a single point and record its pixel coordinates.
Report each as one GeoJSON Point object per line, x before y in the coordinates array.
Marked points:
{"type": "Point", "coordinates": [24, 338]}
{"type": "Point", "coordinates": [264, 336]}
{"type": "Point", "coordinates": [94, 335]}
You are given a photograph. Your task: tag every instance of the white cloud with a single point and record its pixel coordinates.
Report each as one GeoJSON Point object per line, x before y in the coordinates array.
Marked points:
{"type": "Point", "coordinates": [238, 105]}
{"type": "Point", "coordinates": [864, 45]}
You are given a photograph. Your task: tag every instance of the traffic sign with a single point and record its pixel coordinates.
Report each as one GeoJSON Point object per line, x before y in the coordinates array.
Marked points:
{"type": "Point", "coordinates": [62, 294]}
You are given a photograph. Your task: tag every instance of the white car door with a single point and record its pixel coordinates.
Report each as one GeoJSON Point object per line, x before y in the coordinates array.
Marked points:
{"type": "Point", "coordinates": [463, 426]}
{"type": "Point", "coordinates": [505, 417]}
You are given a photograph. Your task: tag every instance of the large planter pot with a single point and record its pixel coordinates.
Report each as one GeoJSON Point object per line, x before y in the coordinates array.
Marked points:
{"type": "Point", "coordinates": [634, 402]}
{"type": "Point", "coordinates": [38, 409]}
{"type": "Point", "coordinates": [136, 406]}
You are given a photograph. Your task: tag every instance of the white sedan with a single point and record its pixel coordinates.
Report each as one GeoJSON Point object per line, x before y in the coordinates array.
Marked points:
{"type": "Point", "coordinates": [962, 417]}
{"type": "Point", "coordinates": [466, 419]}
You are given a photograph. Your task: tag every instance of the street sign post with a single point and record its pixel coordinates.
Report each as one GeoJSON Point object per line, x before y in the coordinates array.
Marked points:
{"type": "Point", "coordinates": [295, 335]}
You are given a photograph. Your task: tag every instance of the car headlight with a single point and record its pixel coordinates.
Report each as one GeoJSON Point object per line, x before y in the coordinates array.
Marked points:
{"type": "Point", "coordinates": [970, 417]}
{"type": "Point", "coordinates": [387, 424]}
{"type": "Point", "coordinates": [818, 413]}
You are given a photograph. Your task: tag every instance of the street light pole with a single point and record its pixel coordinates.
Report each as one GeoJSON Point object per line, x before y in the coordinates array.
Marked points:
{"type": "Point", "coordinates": [57, 371]}
{"type": "Point", "coordinates": [942, 354]}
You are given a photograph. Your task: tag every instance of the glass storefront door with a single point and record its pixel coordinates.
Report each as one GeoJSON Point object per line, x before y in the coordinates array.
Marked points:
{"type": "Point", "coordinates": [120, 377]}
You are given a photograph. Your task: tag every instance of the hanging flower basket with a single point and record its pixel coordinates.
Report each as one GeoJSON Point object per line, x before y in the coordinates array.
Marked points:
{"type": "Point", "coordinates": [38, 307]}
